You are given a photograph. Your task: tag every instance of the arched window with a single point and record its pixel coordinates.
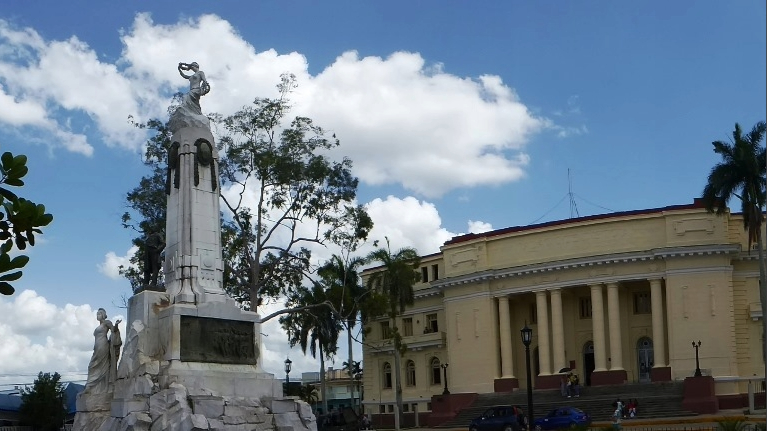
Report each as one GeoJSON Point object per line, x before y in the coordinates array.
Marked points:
{"type": "Point", "coordinates": [436, 373]}
{"type": "Point", "coordinates": [387, 375]}
{"type": "Point", "coordinates": [410, 373]}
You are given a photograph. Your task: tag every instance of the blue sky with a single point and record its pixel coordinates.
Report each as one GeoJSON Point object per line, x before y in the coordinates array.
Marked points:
{"type": "Point", "coordinates": [458, 118]}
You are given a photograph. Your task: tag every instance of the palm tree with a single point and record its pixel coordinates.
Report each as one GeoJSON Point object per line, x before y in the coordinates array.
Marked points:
{"type": "Point", "coordinates": [316, 329]}
{"type": "Point", "coordinates": [355, 374]}
{"type": "Point", "coordinates": [741, 174]}
{"type": "Point", "coordinates": [308, 394]}
{"type": "Point", "coordinates": [347, 293]}
{"type": "Point", "coordinates": [395, 280]}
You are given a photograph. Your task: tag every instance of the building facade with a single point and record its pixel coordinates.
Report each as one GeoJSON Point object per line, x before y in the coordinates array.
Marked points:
{"type": "Point", "coordinates": [618, 298]}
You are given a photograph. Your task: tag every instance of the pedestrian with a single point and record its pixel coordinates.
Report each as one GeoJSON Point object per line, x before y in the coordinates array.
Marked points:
{"type": "Point", "coordinates": [574, 385]}
{"type": "Point", "coordinates": [617, 415]}
{"type": "Point", "coordinates": [633, 408]}
{"type": "Point", "coordinates": [563, 386]}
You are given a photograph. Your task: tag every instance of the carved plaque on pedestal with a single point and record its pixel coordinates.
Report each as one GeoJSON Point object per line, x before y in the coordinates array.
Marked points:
{"type": "Point", "coordinates": [220, 341]}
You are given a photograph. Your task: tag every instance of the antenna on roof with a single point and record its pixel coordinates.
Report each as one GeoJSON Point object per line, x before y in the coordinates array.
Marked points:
{"type": "Point", "coordinates": [573, 205]}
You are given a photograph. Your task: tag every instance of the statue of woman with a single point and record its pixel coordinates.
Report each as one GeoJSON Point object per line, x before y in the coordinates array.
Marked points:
{"type": "Point", "coordinates": [102, 370]}
{"type": "Point", "coordinates": [198, 86]}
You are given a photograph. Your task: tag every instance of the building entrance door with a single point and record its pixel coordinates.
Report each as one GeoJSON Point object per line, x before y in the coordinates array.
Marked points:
{"type": "Point", "coordinates": [644, 358]}
{"type": "Point", "coordinates": [588, 362]}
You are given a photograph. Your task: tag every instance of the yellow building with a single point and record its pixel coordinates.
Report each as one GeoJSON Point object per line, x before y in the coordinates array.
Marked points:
{"type": "Point", "coordinates": [617, 297]}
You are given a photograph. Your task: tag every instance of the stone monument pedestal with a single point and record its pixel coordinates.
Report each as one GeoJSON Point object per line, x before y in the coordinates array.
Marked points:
{"type": "Point", "coordinates": [192, 367]}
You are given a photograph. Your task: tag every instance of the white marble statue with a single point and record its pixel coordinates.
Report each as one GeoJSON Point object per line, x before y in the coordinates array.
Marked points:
{"type": "Point", "coordinates": [198, 86]}
{"type": "Point", "coordinates": [102, 370]}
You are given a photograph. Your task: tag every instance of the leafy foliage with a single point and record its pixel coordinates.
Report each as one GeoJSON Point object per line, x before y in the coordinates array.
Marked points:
{"type": "Point", "coordinates": [308, 393]}
{"type": "Point", "coordinates": [42, 406]}
{"type": "Point", "coordinates": [20, 220]}
{"type": "Point", "coordinates": [286, 195]}
{"type": "Point", "coordinates": [316, 328]}
{"type": "Point", "coordinates": [147, 202]}
{"type": "Point", "coordinates": [394, 283]}
{"type": "Point", "coordinates": [740, 174]}
{"type": "Point", "coordinates": [730, 424]}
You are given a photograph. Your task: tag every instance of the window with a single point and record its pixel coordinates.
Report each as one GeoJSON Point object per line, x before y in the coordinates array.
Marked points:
{"type": "Point", "coordinates": [435, 272]}
{"type": "Point", "coordinates": [415, 407]}
{"type": "Point", "coordinates": [585, 307]}
{"type": "Point", "coordinates": [533, 313]}
{"type": "Point", "coordinates": [431, 324]}
{"type": "Point", "coordinates": [436, 372]}
{"type": "Point", "coordinates": [428, 406]}
{"type": "Point", "coordinates": [410, 373]}
{"type": "Point", "coordinates": [387, 376]}
{"type": "Point", "coordinates": [385, 331]}
{"type": "Point", "coordinates": [405, 408]}
{"type": "Point", "coordinates": [424, 274]}
{"type": "Point", "coordinates": [390, 408]}
{"type": "Point", "coordinates": [642, 303]}
{"type": "Point", "coordinates": [407, 326]}
{"type": "Point", "coordinates": [382, 409]}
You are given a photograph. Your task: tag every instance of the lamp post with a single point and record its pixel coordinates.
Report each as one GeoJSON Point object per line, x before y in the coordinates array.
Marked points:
{"type": "Point", "coordinates": [444, 373]}
{"type": "Point", "coordinates": [697, 360]}
{"type": "Point", "coordinates": [527, 337]}
{"type": "Point", "coordinates": [288, 363]}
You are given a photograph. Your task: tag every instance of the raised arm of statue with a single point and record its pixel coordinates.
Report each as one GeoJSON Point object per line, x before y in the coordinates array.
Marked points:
{"type": "Point", "coordinates": [181, 68]}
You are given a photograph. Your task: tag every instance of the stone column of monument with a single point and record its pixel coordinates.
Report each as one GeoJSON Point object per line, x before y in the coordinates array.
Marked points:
{"type": "Point", "coordinates": [193, 267]}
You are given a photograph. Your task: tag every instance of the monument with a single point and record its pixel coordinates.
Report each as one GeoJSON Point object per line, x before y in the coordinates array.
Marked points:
{"type": "Point", "coordinates": [191, 356]}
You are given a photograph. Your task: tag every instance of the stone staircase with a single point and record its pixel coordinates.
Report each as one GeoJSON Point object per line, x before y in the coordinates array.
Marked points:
{"type": "Point", "coordinates": [656, 400]}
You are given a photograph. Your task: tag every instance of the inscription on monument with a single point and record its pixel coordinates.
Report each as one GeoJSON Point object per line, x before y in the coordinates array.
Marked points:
{"type": "Point", "coordinates": [221, 341]}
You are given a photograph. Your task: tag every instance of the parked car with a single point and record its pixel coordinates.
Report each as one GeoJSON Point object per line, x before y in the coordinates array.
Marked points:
{"type": "Point", "coordinates": [498, 418]}
{"type": "Point", "coordinates": [562, 417]}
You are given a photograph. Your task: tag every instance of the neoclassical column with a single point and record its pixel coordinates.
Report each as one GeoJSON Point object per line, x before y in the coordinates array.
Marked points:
{"type": "Point", "coordinates": [507, 367]}
{"type": "Point", "coordinates": [658, 330]}
{"type": "Point", "coordinates": [614, 316]}
{"type": "Point", "coordinates": [598, 327]}
{"type": "Point", "coordinates": [557, 330]}
{"type": "Point", "coordinates": [543, 333]}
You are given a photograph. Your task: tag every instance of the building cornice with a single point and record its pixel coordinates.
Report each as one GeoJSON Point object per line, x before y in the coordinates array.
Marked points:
{"type": "Point", "coordinates": [588, 262]}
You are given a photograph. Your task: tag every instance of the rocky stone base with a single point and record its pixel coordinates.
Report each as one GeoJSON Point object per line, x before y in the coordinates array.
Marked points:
{"type": "Point", "coordinates": [148, 397]}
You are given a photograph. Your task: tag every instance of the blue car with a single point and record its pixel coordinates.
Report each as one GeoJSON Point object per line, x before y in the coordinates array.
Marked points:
{"type": "Point", "coordinates": [498, 418]}
{"type": "Point", "coordinates": [562, 417]}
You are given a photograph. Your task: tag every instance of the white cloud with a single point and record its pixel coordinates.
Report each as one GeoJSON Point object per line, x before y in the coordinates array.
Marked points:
{"type": "Point", "coordinates": [407, 222]}
{"type": "Point", "coordinates": [400, 119]}
{"type": "Point", "coordinates": [112, 263]}
{"type": "Point", "coordinates": [479, 226]}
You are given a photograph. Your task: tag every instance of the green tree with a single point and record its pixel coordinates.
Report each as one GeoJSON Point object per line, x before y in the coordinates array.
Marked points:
{"type": "Point", "coordinates": [347, 295]}
{"type": "Point", "coordinates": [394, 280]}
{"type": "Point", "coordinates": [20, 220]}
{"type": "Point", "coordinates": [355, 374]}
{"type": "Point", "coordinates": [147, 202]}
{"type": "Point", "coordinates": [286, 195]}
{"type": "Point", "coordinates": [308, 393]}
{"type": "Point", "coordinates": [741, 174]}
{"type": "Point", "coordinates": [42, 406]}
{"type": "Point", "coordinates": [315, 328]}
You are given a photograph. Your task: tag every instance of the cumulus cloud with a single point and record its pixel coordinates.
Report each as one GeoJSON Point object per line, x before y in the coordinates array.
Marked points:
{"type": "Point", "coordinates": [479, 226]}
{"type": "Point", "coordinates": [112, 263]}
{"type": "Point", "coordinates": [400, 119]}
{"type": "Point", "coordinates": [40, 336]}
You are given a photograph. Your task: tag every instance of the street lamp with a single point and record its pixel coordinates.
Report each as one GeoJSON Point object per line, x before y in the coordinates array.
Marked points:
{"type": "Point", "coordinates": [527, 337]}
{"type": "Point", "coordinates": [697, 360]}
{"type": "Point", "coordinates": [288, 363]}
{"type": "Point", "coordinates": [444, 372]}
